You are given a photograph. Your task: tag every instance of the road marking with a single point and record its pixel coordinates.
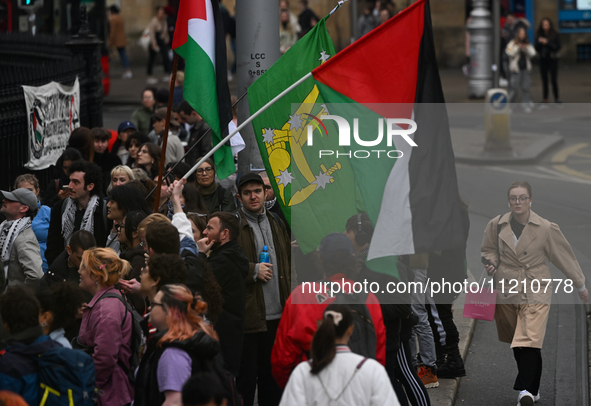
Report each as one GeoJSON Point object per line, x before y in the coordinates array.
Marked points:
{"type": "Point", "coordinates": [562, 155]}
{"type": "Point", "coordinates": [559, 160]}
{"type": "Point", "coordinates": [560, 177]}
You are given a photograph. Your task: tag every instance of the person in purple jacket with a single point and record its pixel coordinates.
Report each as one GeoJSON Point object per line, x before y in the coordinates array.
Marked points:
{"type": "Point", "coordinates": [103, 328]}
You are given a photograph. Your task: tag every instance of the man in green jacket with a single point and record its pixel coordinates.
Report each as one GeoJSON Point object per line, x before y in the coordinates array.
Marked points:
{"type": "Point", "coordinates": [268, 286]}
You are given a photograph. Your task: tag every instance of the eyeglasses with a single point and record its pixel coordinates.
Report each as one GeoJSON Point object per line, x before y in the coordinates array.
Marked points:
{"type": "Point", "coordinates": [156, 304]}
{"type": "Point", "coordinates": [205, 170]}
{"type": "Point", "coordinates": [520, 199]}
{"type": "Point", "coordinates": [119, 226]}
{"type": "Point", "coordinates": [268, 187]}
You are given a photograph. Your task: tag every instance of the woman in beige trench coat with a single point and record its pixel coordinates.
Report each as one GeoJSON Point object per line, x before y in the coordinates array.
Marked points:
{"type": "Point", "coordinates": [524, 243]}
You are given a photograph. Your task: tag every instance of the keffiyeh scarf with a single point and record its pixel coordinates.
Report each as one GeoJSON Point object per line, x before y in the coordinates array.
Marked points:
{"type": "Point", "coordinates": [9, 230]}
{"type": "Point", "coordinates": [70, 214]}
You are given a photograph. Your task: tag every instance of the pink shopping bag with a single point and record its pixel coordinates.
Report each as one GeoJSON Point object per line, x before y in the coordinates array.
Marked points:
{"type": "Point", "coordinates": [480, 305]}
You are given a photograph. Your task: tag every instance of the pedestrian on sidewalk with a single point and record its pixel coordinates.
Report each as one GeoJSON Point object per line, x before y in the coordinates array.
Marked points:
{"type": "Point", "coordinates": [548, 45]}
{"type": "Point", "coordinates": [159, 43]}
{"type": "Point", "coordinates": [517, 245]}
{"type": "Point", "coordinates": [117, 38]}
{"type": "Point", "coordinates": [520, 53]}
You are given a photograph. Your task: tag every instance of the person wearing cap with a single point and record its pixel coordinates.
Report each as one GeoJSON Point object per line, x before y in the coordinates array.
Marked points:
{"type": "Point", "coordinates": [174, 147]}
{"type": "Point", "coordinates": [268, 286]}
{"type": "Point", "coordinates": [19, 248]}
{"type": "Point", "coordinates": [306, 304]}
{"type": "Point", "coordinates": [215, 196]}
{"type": "Point", "coordinates": [126, 128]}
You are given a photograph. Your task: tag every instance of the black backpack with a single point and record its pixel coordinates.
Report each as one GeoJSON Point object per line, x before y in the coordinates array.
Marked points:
{"type": "Point", "coordinates": [364, 339]}
{"type": "Point", "coordinates": [138, 339]}
{"type": "Point", "coordinates": [216, 367]}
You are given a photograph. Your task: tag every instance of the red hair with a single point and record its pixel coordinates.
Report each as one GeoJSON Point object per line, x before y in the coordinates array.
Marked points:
{"type": "Point", "coordinates": [184, 314]}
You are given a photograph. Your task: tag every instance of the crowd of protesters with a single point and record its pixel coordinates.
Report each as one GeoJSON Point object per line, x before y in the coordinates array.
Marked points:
{"type": "Point", "coordinates": [95, 261]}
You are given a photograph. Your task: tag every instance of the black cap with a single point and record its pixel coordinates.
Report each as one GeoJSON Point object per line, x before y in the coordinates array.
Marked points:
{"type": "Point", "coordinates": [250, 177]}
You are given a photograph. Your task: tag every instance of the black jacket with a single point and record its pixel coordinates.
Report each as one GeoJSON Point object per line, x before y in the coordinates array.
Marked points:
{"type": "Point", "coordinates": [230, 266]}
{"type": "Point", "coordinates": [55, 240]}
{"type": "Point", "coordinates": [204, 145]}
{"type": "Point", "coordinates": [107, 161]}
{"type": "Point", "coordinates": [201, 348]}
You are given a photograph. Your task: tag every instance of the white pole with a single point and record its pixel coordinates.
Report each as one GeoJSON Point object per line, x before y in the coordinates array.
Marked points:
{"type": "Point", "coordinates": [247, 121]}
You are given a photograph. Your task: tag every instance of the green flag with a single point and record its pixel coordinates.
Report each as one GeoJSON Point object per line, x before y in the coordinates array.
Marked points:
{"type": "Point", "coordinates": [316, 193]}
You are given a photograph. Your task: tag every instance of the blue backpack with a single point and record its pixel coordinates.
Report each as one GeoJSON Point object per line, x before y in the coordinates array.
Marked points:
{"type": "Point", "coordinates": [66, 377]}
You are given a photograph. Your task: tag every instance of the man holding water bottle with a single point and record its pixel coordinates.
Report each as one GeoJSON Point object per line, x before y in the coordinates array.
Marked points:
{"type": "Point", "coordinates": [268, 285]}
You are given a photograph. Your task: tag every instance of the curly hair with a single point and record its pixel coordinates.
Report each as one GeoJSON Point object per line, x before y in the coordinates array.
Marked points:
{"type": "Point", "coordinates": [167, 269]}
{"type": "Point", "coordinates": [184, 314]}
{"type": "Point", "coordinates": [92, 175]}
{"type": "Point", "coordinates": [62, 299]}
{"type": "Point", "coordinates": [29, 178]}
{"type": "Point", "coordinates": [19, 308]}
{"type": "Point", "coordinates": [104, 263]}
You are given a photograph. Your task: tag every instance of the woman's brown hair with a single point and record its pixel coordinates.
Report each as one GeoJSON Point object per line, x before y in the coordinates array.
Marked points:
{"type": "Point", "coordinates": [520, 183]}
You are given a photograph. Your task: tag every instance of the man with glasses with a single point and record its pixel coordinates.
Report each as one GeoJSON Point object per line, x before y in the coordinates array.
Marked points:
{"type": "Point", "coordinates": [215, 197]}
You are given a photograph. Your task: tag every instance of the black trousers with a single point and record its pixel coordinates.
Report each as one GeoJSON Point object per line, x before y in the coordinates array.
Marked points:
{"type": "Point", "coordinates": [529, 365]}
{"type": "Point", "coordinates": [549, 65]}
{"type": "Point", "coordinates": [442, 323]}
{"type": "Point", "coordinates": [164, 52]}
{"type": "Point", "coordinates": [255, 368]}
{"type": "Point", "coordinates": [404, 378]}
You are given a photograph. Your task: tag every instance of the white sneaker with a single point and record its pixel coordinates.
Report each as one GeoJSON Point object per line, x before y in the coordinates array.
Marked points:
{"type": "Point", "coordinates": [503, 82]}
{"type": "Point", "coordinates": [152, 80]}
{"type": "Point", "coordinates": [537, 397]}
{"type": "Point", "coordinates": [127, 75]}
{"type": "Point", "coordinates": [525, 399]}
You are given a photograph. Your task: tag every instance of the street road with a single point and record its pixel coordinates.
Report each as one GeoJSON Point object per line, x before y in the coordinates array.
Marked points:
{"type": "Point", "coordinates": [561, 194]}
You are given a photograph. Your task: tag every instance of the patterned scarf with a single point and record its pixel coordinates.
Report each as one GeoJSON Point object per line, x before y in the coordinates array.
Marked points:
{"type": "Point", "coordinates": [9, 230]}
{"type": "Point", "coordinates": [70, 214]}
{"type": "Point", "coordinates": [269, 205]}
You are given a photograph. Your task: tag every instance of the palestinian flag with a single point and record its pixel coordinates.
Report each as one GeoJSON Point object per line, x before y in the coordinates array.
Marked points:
{"type": "Point", "coordinates": [199, 39]}
{"type": "Point", "coordinates": [316, 194]}
{"type": "Point", "coordinates": [392, 72]}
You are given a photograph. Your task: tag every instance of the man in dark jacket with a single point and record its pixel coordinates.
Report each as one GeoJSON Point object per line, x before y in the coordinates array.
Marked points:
{"type": "Point", "coordinates": [268, 285]}
{"type": "Point", "coordinates": [83, 210]}
{"type": "Point", "coordinates": [197, 129]}
{"type": "Point", "coordinates": [65, 267]}
{"type": "Point", "coordinates": [229, 266]}
{"type": "Point", "coordinates": [19, 309]}
{"type": "Point", "coordinates": [105, 159]}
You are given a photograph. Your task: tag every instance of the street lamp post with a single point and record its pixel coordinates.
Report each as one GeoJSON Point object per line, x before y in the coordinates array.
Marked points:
{"type": "Point", "coordinates": [481, 46]}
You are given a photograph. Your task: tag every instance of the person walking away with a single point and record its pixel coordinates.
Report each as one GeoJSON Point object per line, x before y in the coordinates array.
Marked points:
{"type": "Point", "coordinates": [335, 374]}
{"type": "Point", "coordinates": [548, 44]}
{"type": "Point", "coordinates": [520, 53]}
{"type": "Point", "coordinates": [517, 245]}
{"type": "Point", "coordinates": [117, 38]}
{"type": "Point", "coordinates": [159, 43]}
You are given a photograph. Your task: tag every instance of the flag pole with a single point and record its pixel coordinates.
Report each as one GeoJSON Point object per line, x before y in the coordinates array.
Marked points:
{"type": "Point", "coordinates": [247, 121]}
{"type": "Point", "coordinates": [166, 127]}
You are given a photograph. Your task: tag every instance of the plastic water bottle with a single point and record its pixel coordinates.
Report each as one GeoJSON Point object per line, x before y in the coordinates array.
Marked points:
{"type": "Point", "coordinates": [264, 257]}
